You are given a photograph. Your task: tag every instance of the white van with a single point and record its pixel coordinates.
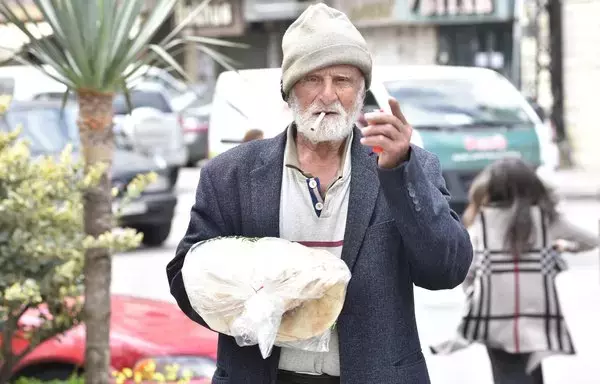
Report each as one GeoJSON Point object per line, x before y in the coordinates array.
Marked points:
{"type": "Point", "coordinates": [467, 116]}
{"type": "Point", "coordinates": [244, 100]}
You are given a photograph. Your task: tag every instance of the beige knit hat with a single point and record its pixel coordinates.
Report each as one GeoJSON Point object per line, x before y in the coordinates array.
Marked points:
{"type": "Point", "coordinates": [321, 37]}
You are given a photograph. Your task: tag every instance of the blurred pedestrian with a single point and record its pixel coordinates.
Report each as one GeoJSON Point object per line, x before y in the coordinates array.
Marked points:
{"type": "Point", "coordinates": [511, 302]}
{"type": "Point", "coordinates": [321, 183]}
{"type": "Point", "coordinates": [253, 134]}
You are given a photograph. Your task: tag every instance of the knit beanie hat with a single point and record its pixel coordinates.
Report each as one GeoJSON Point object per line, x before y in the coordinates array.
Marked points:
{"type": "Point", "coordinates": [321, 37]}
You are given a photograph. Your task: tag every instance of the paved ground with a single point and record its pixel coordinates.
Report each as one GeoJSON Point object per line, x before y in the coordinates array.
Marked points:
{"type": "Point", "coordinates": [575, 183]}
{"type": "Point", "coordinates": [142, 273]}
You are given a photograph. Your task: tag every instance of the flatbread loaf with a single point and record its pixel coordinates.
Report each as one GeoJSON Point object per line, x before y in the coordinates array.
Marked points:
{"type": "Point", "coordinates": [221, 274]}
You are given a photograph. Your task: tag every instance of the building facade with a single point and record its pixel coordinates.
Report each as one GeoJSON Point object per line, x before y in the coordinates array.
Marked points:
{"type": "Point", "coordinates": [581, 60]}
{"type": "Point", "coordinates": [258, 23]}
{"type": "Point", "coordinates": [445, 32]}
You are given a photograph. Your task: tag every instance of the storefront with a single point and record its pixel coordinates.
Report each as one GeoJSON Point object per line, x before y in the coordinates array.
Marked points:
{"type": "Point", "coordinates": [219, 19]}
{"type": "Point", "coordinates": [447, 32]}
{"type": "Point", "coordinates": [258, 23]}
{"type": "Point", "coordinates": [391, 37]}
{"type": "Point", "coordinates": [581, 58]}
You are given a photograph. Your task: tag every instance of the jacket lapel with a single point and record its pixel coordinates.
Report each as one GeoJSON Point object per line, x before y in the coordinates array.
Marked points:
{"type": "Point", "coordinates": [266, 189]}
{"type": "Point", "coordinates": [364, 188]}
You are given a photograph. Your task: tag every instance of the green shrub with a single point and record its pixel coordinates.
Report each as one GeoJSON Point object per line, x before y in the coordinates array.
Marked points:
{"type": "Point", "coordinates": [75, 379]}
{"type": "Point", "coordinates": [42, 244]}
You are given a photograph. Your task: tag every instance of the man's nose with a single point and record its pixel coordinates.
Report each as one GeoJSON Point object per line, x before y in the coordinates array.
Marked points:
{"type": "Point", "coordinates": [328, 93]}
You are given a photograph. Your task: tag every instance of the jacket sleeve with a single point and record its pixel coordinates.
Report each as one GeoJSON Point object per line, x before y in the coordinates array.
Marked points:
{"type": "Point", "coordinates": [435, 241]}
{"type": "Point", "coordinates": [206, 222]}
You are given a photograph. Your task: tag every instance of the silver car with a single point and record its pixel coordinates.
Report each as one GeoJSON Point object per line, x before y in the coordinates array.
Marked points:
{"type": "Point", "coordinates": [152, 126]}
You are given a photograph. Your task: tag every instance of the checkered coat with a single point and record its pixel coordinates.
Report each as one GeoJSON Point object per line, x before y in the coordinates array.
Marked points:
{"type": "Point", "coordinates": [512, 304]}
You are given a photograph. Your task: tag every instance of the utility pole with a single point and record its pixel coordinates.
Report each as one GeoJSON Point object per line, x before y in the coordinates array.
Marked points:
{"type": "Point", "coordinates": [557, 114]}
{"type": "Point", "coordinates": [545, 27]}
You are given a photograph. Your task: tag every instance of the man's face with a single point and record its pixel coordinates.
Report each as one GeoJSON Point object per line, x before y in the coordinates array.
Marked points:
{"type": "Point", "coordinates": [337, 90]}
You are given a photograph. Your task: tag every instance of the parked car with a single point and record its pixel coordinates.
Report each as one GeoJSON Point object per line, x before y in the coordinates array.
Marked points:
{"type": "Point", "coordinates": [195, 128]}
{"type": "Point", "coordinates": [244, 100]}
{"type": "Point", "coordinates": [141, 330]}
{"type": "Point", "coordinates": [153, 125]}
{"type": "Point", "coordinates": [156, 129]}
{"type": "Point", "coordinates": [468, 116]}
{"type": "Point", "coordinates": [31, 82]}
{"type": "Point", "coordinates": [181, 94]}
{"type": "Point", "coordinates": [49, 129]}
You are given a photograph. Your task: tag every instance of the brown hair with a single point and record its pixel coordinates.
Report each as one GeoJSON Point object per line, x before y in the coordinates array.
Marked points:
{"type": "Point", "coordinates": [253, 134]}
{"type": "Point", "coordinates": [511, 183]}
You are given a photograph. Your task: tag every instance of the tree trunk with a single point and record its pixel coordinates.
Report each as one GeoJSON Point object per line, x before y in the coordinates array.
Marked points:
{"type": "Point", "coordinates": [7, 358]}
{"type": "Point", "coordinates": [6, 372]}
{"type": "Point", "coordinates": [97, 139]}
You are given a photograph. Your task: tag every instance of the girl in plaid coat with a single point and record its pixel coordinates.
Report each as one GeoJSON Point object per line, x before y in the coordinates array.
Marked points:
{"type": "Point", "coordinates": [511, 301]}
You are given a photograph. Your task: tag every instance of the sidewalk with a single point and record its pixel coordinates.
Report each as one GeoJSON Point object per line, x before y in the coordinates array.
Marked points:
{"type": "Point", "coordinates": [575, 184]}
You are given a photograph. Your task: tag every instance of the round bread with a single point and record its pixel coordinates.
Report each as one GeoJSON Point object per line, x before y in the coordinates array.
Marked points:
{"type": "Point", "coordinates": [313, 317]}
{"type": "Point", "coordinates": [220, 275]}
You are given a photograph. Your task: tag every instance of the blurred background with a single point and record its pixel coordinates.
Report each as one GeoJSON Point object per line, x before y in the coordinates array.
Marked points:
{"type": "Point", "coordinates": [547, 48]}
{"type": "Point", "coordinates": [548, 51]}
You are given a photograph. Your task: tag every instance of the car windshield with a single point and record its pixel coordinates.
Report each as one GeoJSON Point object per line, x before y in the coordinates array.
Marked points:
{"type": "Point", "coordinates": [140, 99]}
{"type": "Point", "coordinates": [48, 129]}
{"type": "Point", "coordinates": [455, 102]}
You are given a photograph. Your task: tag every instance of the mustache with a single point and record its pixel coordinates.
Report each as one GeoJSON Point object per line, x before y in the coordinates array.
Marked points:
{"type": "Point", "coordinates": [333, 108]}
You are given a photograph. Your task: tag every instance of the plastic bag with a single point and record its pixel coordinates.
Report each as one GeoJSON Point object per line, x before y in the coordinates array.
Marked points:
{"type": "Point", "coordinates": [266, 291]}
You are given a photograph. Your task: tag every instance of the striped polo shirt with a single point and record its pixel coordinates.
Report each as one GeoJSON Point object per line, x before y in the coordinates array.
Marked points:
{"type": "Point", "coordinates": [308, 218]}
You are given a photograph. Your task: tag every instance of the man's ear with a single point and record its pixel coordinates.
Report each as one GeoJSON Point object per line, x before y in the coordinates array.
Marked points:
{"type": "Point", "coordinates": [283, 95]}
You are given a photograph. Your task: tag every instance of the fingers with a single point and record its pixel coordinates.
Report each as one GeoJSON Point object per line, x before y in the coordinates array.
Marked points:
{"type": "Point", "coordinates": [381, 118]}
{"type": "Point", "coordinates": [387, 130]}
{"type": "Point", "coordinates": [381, 141]}
{"type": "Point", "coordinates": [396, 118]}
{"type": "Point", "coordinates": [396, 111]}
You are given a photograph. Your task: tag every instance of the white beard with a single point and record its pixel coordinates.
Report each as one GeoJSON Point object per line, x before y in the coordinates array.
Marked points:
{"type": "Point", "coordinates": [333, 127]}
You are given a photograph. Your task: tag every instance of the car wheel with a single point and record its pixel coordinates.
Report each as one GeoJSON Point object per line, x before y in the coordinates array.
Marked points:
{"type": "Point", "coordinates": [155, 235]}
{"type": "Point", "coordinates": [173, 176]}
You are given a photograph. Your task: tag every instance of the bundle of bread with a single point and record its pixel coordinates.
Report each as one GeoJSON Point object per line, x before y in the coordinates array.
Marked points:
{"type": "Point", "coordinates": [266, 291]}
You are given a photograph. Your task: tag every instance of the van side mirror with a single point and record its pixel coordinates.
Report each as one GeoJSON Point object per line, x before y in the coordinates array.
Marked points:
{"type": "Point", "coordinates": [537, 108]}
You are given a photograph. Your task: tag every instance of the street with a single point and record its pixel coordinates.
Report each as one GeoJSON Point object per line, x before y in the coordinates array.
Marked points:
{"type": "Point", "coordinates": [142, 273]}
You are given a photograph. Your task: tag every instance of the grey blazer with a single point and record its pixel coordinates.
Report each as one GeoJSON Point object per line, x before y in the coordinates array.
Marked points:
{"type": "Point", "coordinates": [400, 230]}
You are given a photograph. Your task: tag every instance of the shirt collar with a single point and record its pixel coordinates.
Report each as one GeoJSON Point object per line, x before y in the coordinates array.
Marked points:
{"type": "Point", "coordinates": [290, 157]}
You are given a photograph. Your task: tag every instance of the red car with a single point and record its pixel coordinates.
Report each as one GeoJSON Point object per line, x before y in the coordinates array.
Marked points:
{"type": "Point", "coordinates": [142, 331]}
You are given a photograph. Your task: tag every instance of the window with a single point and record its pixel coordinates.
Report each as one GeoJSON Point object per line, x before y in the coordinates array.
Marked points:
{"type": "Point", "coordinates": [447, 101]}
{"type": "Point", "coordinates": [48, 130]}
{"type": "Point", "coordinates": [141, 99]}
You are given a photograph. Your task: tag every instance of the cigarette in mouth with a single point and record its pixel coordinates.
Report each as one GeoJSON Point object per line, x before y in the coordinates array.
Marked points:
{"type": "Point", "coordinates": [318, 122]}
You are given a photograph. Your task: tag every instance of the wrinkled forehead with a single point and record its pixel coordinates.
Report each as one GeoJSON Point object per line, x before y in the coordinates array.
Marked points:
{"type": "Point", "coordinates": [338, 70]}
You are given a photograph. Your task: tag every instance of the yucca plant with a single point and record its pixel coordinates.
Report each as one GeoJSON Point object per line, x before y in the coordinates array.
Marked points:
{"type": "Point", "coordinates": [96, 51]}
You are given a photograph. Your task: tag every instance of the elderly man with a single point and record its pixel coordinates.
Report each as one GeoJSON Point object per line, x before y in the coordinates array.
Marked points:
{"type": "Point", "coordinates": [385, 214]}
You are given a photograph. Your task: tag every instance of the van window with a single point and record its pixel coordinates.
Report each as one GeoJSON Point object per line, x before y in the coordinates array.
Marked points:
{"type": "Point", "coordinates": [459, 102]}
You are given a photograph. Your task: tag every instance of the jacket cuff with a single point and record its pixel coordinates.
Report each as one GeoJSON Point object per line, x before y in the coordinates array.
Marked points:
{"type": "Point", "coordinates": [407, 187]}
